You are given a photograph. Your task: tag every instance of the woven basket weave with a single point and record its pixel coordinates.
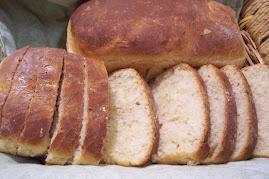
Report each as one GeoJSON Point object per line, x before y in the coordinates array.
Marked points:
{"type": "Point", "coordinates": [254, 26]}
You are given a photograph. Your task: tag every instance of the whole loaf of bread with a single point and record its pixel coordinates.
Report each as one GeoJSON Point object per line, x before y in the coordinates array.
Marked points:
{"type": "Point", "coordinates": [155, 34]}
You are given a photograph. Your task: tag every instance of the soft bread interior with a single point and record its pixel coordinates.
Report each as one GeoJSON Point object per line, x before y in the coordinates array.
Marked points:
{"type": "Point", "coordinates": [217, 101]}
{"type": "Point", "coordinates": [244, 112]}
{"type": "Point", "coordinates": [130, 127]}
{"type": "Point", "coordinates": [258, 79]}
{"type": "Point", "coordinates": [182, 116]}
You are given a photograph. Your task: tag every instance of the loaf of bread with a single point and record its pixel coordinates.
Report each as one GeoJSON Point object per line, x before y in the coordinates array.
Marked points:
{"type": "Point", "coordinates": [32, 82]}
{"type": "Point", "coordinates": [132, 135]}
{"type": "Point", "coordinates": [247, 130]}
{"type": "Point", "coordinates": [223, 114]}
{"type": "Point", "coordinates": [155, 34]}
{"type": "Point", "coordinates": [182, 107]}
{"type": "Point", "coordinates": [258, 79]}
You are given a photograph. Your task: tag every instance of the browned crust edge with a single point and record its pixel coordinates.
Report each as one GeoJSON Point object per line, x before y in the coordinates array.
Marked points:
{"type": "Point", "coordinates": [247, 150]}
{"type": "Point", "coordinates": [228, 142]}
{"type": "Point", "coordinates": [154, 120]}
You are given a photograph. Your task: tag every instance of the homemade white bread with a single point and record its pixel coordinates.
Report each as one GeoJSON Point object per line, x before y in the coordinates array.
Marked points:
{"type": "Point", "coordinates": [182, 107]}
{"type": "Point", "coordinates": [68, 120]}
{"type": "Point", "coordinates": [222, 114]}
{"type": "Point", "coordinates": [155, 34]}
{"type": "Point", "coordinates": [247, 130]}
{"type": "Point", "coordinates": [132, 130]}
{"type": "Point", "coordinates": [258, 80]}
{"type": "Point", "coordinates": [95, 114]}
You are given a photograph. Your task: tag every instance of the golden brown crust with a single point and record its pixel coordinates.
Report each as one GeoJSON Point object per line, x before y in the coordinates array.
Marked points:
{"type": "Point", "coordinates": [66, 138]}
{"type": "Point", "coordinates": [96, 129]}
{"type": "Point", "coordinates": [203, 151]}
{"type": "Point", "coordinates": [124, 33]}
{"type": "Point", "coordinates": [8, 68]}
{"type": "Point", "coordinates": [17, 103]}
{"type": "Point", "coordinates": [41, 108]}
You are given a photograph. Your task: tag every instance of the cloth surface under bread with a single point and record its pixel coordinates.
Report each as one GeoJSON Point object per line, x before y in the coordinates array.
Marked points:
{"type": "Point", "coordinates": [31, 168]}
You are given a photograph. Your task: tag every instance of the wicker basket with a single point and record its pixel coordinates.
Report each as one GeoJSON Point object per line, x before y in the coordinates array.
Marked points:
{"type": "Point", "coordinates": [254, 26]}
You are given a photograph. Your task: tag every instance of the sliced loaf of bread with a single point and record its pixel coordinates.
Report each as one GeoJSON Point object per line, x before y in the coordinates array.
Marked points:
{"type": "Point", "coordinates": [8, 69]}
{"type": "Point", "coordinates": [247, 130]}
{"type": "Point", "coordinates": [35, 138]}
{"type": "Point", "coordinates": [95, 114]}
{"type": "Point", "coordinates": [222, 114]}
{"type": "Point", "coordinates": [132, 132]}
{"type": "Point", "coordinates": [182, 107]}
{"type": "Point", "coordinates": [16, 107]}
{"type": "Point", "coordinates": [258, 80]}
{"type": "Point", "coordinates": [68, 120]}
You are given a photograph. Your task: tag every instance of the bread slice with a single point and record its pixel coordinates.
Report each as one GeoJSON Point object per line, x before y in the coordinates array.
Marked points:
{"type": "Point", "coordinates": [34, 139]}
{"type": "Point", "coordinates": [222, 114]}
{"type": "Point", "coordinates": [247, 130]}
{"type": "Point", "coordinates": [182, 107]}
{"type": "Point", "coordinates": [132, 132]}
{"type": "Point", "coordinates": [95, 114]}
{"type": "Point", "coordinates": [8, 69]}
{"type": "Point", "coordinates": [258, 80]}
{"type": "Point", "coordinates": [17, 103]}
{"type": "Point", "coordinates": [70, 112]}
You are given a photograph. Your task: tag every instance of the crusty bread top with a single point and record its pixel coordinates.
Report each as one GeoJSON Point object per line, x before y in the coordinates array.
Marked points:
{"type": "Point", "coordinates": [16, 106]}
{"type": "Point", "coordinates": [162, 31]}
{"type": "Point", "coordinates": [66, 137]}
{"type": "Point", "coordinates": [8, 68]}
{"type": "Point", "coordinates": [39, 116]}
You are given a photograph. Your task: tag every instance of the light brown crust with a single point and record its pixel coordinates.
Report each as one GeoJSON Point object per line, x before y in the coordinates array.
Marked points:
{"type": "Point", "coordinates": [247, 150]}
{"type": "Point", "coordinates": [41, 109]}
{"type": "Point", "coordinates": [124, 34]}
{"type": "Point", "coordinates": [203, 150]}
{"type": "Point", "coordinates": [229, 137]}
{"type": "Point", "coordinates": [66, 138]}
{"type": "Point", "coordinates": [17, 103]}
{"type": "Point", "coordinates": [98, 96]}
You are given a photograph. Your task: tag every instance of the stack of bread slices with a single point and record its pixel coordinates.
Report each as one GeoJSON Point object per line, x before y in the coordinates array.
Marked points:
{"type": "Point", "coordinates": [66, 109]}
